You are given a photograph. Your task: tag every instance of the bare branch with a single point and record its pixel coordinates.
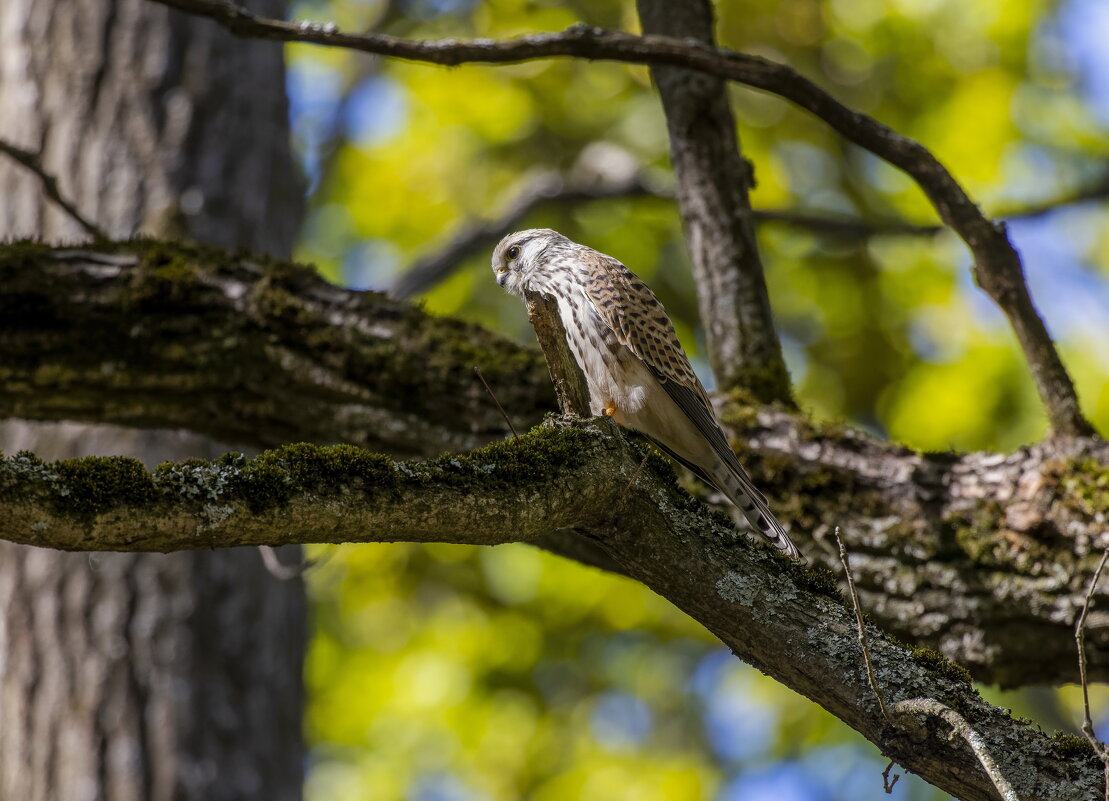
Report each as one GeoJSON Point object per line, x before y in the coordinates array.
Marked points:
{"type": "Point", "coordinates": [493, 395]}
{"type": "Point", "coordinates": [923, 706]}
{"type": "Point", "coordinates": [933, 708]}
{"type": "Point", "coordinates": [714, 181]}
{"type": "Point", "coordinates": [473, 238]}
{"type": "Point", "coordinates": [1080, 638]}
{"type": "Point", "coordinates": [887, 784]}
{"type": "Point", "coordinates": [854, 594]}
{"type": "Point", "coordinates": [33, 163]}
{"type": "Point", "coordinates": [997, 266]}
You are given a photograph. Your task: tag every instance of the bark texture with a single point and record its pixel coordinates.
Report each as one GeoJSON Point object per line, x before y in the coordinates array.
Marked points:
{"type": "Point", "coordinates": [247, 351]}
{"type": "Point", "coordinates": [967, 554]}
{"type": "Point", "coordinates": [131, 676]}
{"type": "Point", "coordinates": [713, 184]}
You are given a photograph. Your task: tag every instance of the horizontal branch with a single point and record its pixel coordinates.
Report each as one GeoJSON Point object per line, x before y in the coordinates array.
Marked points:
{"type": "Point", "coordinates": [997, 266]}
{"type": "Point", "coordinates": [784, 619]}
{"type": "Point", "coordinates": [475, 237]}
{"type": "Point", "coordinates": [304, 493]}
{"type": "Point", "coordinates": [984, 557]}
{"type": "Point", "coordinates": [246, 351]}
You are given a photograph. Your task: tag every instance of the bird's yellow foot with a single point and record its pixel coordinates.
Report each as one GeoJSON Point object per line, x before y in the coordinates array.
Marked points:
{"type": "Point", "coordinates": [612, 411]}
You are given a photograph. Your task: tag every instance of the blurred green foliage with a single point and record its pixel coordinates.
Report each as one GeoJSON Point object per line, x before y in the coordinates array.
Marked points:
{"type": "Point", "coordinates": [444, 673]}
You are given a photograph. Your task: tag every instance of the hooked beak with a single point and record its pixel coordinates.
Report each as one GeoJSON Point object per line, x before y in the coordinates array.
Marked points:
{"type": "Point", "coordinates": [502, 276]}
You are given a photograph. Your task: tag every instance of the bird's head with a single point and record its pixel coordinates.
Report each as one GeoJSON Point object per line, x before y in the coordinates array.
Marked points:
{"type": "Point", "coordinates": [524, 260]}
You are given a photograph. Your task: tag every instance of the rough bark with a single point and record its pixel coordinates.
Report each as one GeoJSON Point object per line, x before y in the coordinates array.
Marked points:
{"type": "Point", "coordinates": [189, 123]}
{"type": "Point", "coordinates": [785, 619]}
{"type": "Point", "coordinates": [968, 554]}
{"type": "Point", "coordinates": [713, 184]}
{"type": "Point", "coordinates": [138, 676]}
{"type": "Point", "coordinates": [247, 352]}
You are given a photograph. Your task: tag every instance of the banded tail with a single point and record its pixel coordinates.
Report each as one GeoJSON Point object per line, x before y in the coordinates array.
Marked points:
{"type": "Point", "coordinates": [734, 482]}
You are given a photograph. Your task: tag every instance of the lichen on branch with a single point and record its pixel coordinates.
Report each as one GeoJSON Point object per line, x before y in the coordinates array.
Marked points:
{"type": "Point", "coordinates": [334, 493]}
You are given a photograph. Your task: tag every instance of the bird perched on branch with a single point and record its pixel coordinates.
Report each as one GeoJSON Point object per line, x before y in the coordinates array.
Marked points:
{"type": "Point", "coordinates": [634, 366]}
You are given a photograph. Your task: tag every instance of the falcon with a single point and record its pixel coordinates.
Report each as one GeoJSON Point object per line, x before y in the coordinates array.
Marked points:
{"type": "Point", "coordinates": [634, 366]}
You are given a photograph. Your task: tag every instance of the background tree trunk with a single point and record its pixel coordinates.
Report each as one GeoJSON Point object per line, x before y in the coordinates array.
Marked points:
{"type": "Point", "coordinates": [145, 676]}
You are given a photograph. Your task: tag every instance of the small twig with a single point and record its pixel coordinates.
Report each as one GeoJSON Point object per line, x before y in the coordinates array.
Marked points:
{"type": "Point", "coordinates": [932, 707]}
{"type": "Point", "coordinates": [1080, 639]}
{"type": "Point", "coordinates": [32, 162]}
{"type": "Point", "coordinates": [284, 572]}
{"type": "Point", "coordinates": [489, 389]}
{"type": "Point", "coordinates": [862, 626]}
{"type": "Point", "coordinates": [632, 480]}
{"type": "Point", "coordinates": [888, 785]}
{"type": "Point", "coordinates": [923, 706]}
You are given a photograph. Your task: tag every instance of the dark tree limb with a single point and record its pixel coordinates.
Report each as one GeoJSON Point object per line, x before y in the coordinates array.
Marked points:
{"type": "Point", "coordinates": [786, 620]}
{"type": "Point", "coordinates": [997, 266]}
{"type": "Point", "coordinates": [713, 185]}
{"type": "Point", "coordinates": [985, 557]}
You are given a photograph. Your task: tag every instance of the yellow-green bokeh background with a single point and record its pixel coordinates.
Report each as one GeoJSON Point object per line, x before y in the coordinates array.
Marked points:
{"type": "Point", "coordinates": [456, 674]}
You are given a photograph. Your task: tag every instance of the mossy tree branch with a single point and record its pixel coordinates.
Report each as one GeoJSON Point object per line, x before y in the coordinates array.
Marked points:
{"type": "Point", "coordinates": [787, 620]}
{"type": "Point", "coordinates": [246, 350]}
{"type": "Point", "coordinates": [981, 556]}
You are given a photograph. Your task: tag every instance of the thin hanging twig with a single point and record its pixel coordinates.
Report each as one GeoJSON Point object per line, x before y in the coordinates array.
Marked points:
{"type": "Point", "coordinates": [493, 395]}
{"type": "Point", "coordinates": [1080, 639]}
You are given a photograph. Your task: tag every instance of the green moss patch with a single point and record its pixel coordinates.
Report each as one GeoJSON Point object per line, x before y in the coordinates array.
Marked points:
{"type": "Point", "coordinates": [542, 452]}
{"type": "Point", "coordinates": [95, 484]}
{"type": "Point", "coordinates": [1069, 746]}
{"type": "Point", "coordinates": [1085, 485]}
{"type": "Point", "coordinates": [938, 663]}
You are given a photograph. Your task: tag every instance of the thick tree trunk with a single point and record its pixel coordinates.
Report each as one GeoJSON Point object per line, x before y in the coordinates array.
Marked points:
{"type": "Point", "coordinates": [145, 676]}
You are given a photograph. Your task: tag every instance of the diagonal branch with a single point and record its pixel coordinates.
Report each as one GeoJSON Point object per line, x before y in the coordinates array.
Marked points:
{"type": "Point", "coordinates": [997, 266]}
{"type": "Point", "coordinates": [32, 162]}
{"type": "Point", "coordinates": [786, 620]}
{"type": "Point", "coordinates": [927, 707]}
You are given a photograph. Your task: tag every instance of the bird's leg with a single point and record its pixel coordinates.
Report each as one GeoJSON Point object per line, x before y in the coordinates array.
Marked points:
{"type": "Point", "coordinates": [612, 410]}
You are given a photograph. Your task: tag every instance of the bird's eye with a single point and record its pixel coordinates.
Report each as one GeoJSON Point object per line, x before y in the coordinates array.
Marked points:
{"type": "Point", "coordinates": [513, 252]}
